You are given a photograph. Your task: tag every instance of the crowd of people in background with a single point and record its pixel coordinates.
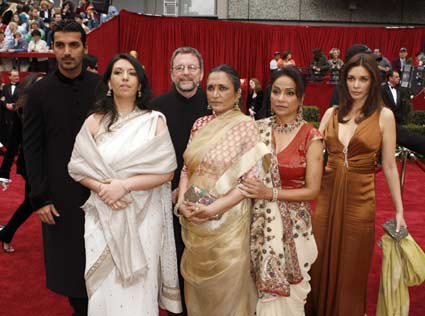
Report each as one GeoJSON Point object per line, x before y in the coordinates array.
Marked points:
{"type": "Point", "coordinates": [28, 28]}
{"type": "Point", "coordinates": [328, 69]}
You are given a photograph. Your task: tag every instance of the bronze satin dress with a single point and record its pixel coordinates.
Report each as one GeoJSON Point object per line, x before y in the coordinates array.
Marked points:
{"type": "Point", "coordinates": [344, 221]}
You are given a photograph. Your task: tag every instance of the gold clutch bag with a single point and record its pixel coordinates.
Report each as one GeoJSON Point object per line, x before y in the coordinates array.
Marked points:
{"type": "Point", "coordinates": [390, 229]}
{"type": "Point", "coordinates": [196, 194]}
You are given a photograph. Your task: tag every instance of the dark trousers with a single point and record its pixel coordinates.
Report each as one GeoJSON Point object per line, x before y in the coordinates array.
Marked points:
{"type": "Point", "coordinates": [18, 218]}
{"type": "Point", "coordinates": [412, 141]}
{"type": "Point", "coordinates": [80, 305]}
{"type": "Point", "coordinates": [179, 250]}
{"type": "Point", "coordinates": [6, 124]}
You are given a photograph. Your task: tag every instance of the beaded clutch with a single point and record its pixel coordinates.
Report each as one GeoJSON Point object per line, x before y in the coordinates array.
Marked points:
{"type": "Point", "coordinates": [196, 194]}
{"type": "Point", "coordinates": [390, 228]}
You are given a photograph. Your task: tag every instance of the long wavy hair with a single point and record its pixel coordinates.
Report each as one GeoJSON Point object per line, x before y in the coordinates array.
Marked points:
{"type": "Point", "coordinates": [106, 105]}
{"type": "Point", "coordinates": [373, 101]}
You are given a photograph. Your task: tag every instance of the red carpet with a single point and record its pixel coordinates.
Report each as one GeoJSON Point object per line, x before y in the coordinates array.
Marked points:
{"type": "Point", "coordinates": [22, 283]}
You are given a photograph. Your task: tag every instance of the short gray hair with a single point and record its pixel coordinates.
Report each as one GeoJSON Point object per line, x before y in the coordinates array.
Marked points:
{"type": "Point", "coordinates": [187, 50]}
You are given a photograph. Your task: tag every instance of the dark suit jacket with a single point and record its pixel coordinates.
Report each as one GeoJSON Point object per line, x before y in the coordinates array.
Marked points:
{"type": "Point", "coordinates": [396, 65]}
{"type": "Point", "coordinates": [13, 148]}
{"type": "Point", "coordinates": [6, 116]}
{"type": "Point", "coordinates": [53, 115]}
{"type": "Point", "coordinates": [7, 93]}
{"type": "Point", "coordinates": [395, 106]}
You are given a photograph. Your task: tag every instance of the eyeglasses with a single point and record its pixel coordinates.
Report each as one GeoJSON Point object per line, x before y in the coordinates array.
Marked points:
{"type": "Point", "coordinates": [181, 68]}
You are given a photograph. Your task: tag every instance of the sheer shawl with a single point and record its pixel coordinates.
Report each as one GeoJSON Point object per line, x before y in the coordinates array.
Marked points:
{"type": "Point", "coordinates": [123, 248]}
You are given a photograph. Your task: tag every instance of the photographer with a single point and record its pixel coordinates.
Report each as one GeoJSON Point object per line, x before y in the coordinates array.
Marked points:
{"type": "Point", "coordinates": [384, 64]}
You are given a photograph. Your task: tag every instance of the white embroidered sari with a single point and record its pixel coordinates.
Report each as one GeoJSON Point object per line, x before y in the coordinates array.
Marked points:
{"type": "Point", "coordinates": [131, 264]}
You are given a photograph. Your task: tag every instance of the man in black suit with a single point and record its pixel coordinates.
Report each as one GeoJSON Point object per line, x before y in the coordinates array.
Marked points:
{"type": "Point", "coordinates": [7, 107]}
{"type": "Point", "coordinates": [393, 99]}
{"type": "Point", "coordinates": [55, 110]}
{"type": "Point", "coordinates": [182, 106]}
{"type": "Point", "coordinates": [391, 94]}
{"type": "Point", "coordinates": [399, 63]}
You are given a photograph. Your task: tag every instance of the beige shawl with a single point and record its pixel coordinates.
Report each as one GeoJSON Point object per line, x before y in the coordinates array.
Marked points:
{"type": "Point", "coordinates": [123, 248]}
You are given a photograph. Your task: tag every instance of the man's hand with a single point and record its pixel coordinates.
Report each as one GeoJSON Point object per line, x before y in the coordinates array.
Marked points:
{"type": "Point", "coordinates": [47, 213]}
{"type": "Point", "coordinates": [9, 106]}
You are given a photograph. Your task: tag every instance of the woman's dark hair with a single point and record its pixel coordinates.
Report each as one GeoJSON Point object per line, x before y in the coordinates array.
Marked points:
{"type": "Point", "coordinates": [373, 101]}
{"type": "Point", "coordinates": [24, 87]}
{"type": "Point", "coordinates": [7, 17]}
{"type": "Point", "coordinates": [231, 73]}
{"type": "Point", "coordinates": [106, 105]}
{"type": "Point", "coordinates": [317, 53]}
{"type": "Point", "coordinates": [285, 54]}
{"type": "Point", "coordinates": [26, 8]}
{"type": "Point", "coordinates": [70, 4]}
{"type": "Point", "coordinates": [293, 73]}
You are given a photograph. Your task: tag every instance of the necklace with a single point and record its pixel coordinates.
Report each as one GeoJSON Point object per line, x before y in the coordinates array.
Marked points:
{"type": "Point", "coordinates": [286, 128]}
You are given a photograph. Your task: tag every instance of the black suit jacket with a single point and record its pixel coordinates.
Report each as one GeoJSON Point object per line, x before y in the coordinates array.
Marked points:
{"type": "Point", "coordinates": [53, 115]}
{"type": "Point", "coordinates": [394, 105]}
{"type": "Point", "coordinates": [396, 65]}
{"type": "Point", "coordinates": [7, 93]}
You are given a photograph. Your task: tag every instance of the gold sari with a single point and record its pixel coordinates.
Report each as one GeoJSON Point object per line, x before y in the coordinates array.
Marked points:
{"type": "Point", "coordinates": [216, 260]}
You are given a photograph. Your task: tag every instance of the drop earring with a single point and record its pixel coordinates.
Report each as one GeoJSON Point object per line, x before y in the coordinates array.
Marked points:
{"type": "Point", "coordinates": [300, 113]}
{"type": "Point", "coordinates": [139, 94]}
{"type": "Point", "coordinates": [109, 93]}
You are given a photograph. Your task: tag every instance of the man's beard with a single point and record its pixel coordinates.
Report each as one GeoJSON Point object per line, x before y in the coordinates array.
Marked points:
{"type": "Point", "coordinates": [187, 88]}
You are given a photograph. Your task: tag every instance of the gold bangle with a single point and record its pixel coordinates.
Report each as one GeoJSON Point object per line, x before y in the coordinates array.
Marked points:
{"type": "Point", "coordinates": [275, 194]}
{"type": "Point", "coordinates": [216, 217]}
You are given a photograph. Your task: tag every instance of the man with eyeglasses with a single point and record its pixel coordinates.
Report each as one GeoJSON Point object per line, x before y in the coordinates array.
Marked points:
{"type": "Point", "coordinates": [185, 103]}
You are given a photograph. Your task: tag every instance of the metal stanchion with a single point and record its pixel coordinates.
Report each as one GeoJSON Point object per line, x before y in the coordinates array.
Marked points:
{"type": "Point", "coordinates": [404, 154]}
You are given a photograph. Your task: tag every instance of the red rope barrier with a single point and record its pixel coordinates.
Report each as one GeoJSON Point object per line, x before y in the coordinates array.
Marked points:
{"type": "Point", "coordinates": [419, 164]}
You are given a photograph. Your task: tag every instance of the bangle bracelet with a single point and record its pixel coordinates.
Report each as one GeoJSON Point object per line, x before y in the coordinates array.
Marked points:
{"type": "Point", "coordinates": [275, 193]}
{"type": "Point", "coordinates": [176, 210]}
{"type": "Point", "coordinates": [215, 217]}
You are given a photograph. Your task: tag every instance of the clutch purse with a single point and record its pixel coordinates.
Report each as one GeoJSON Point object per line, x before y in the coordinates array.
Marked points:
{"type": "Point", "coordinates": [196, 194]}
{"type": "Point", "coordinates": [390, 226]}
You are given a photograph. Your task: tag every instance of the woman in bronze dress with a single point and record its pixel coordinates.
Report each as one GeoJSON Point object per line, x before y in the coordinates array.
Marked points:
{"type": "Point", "coordinates": [344, 223]}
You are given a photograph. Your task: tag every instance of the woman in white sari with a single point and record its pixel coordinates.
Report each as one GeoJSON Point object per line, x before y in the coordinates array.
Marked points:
{"type": "Point", "coordinates": [124, 155]}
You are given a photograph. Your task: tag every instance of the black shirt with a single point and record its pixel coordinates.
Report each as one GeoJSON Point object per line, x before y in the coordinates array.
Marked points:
{"type": "Point", "coordinates": [181, 113]}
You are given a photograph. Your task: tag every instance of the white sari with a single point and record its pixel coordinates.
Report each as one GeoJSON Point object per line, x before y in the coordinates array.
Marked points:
{"type": "Point", "coordinates": [131, 264]}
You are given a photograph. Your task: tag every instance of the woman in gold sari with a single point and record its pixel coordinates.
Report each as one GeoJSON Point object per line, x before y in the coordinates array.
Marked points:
{"type": "Point", "coordinates": [224, 148]}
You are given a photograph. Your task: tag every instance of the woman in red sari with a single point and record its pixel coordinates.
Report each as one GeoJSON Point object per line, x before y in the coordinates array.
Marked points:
{"type": "Point", "coordinates": [282, 244]}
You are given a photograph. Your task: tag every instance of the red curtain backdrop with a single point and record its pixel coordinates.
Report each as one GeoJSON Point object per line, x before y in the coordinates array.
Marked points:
{"type": "Point", "coordinates": [103, 42]}
{"type": "Point", "coordinates": [248, 47]}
